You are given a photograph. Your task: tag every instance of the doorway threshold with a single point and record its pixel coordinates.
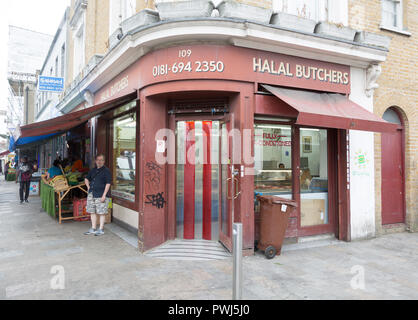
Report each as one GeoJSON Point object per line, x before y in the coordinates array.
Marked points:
{"type": "Point", "coordinates": [312, 242]}
{"type": "Point", "coordinates": [124, 234]}
{"type": "Point", "coordinates": [181, 249]}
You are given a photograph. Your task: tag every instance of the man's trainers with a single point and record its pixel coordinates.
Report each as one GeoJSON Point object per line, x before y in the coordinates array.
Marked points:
{"type": "Point", "coordinates": [99, 232]}
{"type": "Point", "coordinates": [91, 231]}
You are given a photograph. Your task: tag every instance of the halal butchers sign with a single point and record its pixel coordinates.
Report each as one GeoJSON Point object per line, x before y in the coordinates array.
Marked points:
{"type": "Point", "coordinates": [234, 63]}
{"type": "Point", "coordinates": [224, 62]}
{"type": "Point", "coordinates": [327, 74]}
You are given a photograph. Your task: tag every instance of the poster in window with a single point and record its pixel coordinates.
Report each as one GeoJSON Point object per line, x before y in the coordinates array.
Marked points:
{"type": "Point", "coordinates": [307, 144]}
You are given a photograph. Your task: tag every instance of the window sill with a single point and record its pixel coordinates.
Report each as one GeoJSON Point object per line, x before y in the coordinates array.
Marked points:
{"type": "Point", "coordinates": [125, 203]}
{"type": "Point", "coordinates": [392, 29]}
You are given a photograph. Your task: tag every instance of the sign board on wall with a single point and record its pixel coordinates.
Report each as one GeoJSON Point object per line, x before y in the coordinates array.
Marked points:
{"type": "Point", "coordinates": [50, 84]}
{"type": "Point", "coordinates": [227, 63]}
{"type": "Point", "coordinates": [34, 188]}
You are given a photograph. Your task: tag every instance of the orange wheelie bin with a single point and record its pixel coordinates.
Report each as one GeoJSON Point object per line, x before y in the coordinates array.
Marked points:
{"type": "Point", "coordinates": [274, 217]}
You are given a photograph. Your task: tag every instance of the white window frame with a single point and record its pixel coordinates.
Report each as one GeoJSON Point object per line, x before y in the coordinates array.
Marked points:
{"type": "Point", "coordinates": [57, 66]}
{"type": "Point", "coordinates": [78, 27]}
{"type": "Point", "coordinates": [120, 10]}
{"type": "Point", "coordinates": [384, 24]}
{"type": "Point", "coordinates": [79, 50]}
{"type": "Point", "coordinates": [128, 9]}
{"type": "Point", "coordinates": [321, 8]}
{"type": "Point", "coordinates": [63, 53]}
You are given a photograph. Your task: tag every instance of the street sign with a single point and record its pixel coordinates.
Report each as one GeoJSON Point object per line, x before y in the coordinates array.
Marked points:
{"type": "Point", "coordinates": [50, 84]}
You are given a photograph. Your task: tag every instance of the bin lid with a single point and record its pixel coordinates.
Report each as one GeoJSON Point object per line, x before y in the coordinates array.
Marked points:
{"type": "Point", "coordinates": [277, 200]}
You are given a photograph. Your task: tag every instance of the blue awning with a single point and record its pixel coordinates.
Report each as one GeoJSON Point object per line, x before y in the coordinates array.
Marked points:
{"type": "Point", "coordinates": [12, 144]}
{"type": "Point", "coordinates": [28, 140]}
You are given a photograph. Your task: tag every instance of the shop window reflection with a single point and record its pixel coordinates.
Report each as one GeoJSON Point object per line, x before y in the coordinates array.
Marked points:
{"type": "Point", "coordinates": [273, 160]}
{"type": "Point", "coordinates": [314, 177]}
{"type": "Point", "coordinates": [124, 157]}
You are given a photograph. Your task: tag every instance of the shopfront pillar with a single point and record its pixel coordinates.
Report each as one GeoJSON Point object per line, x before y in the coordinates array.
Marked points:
{"type": "Point", "coordinates": [152, 176]}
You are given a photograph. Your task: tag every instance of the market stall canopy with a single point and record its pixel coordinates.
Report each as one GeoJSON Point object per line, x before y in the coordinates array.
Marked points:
{"type": "Point", "coordinates": [71, 120]}
{"type": "Point", "coordinates": [28, 140]}
{"type": "Point", "coordinates": [330, 110]}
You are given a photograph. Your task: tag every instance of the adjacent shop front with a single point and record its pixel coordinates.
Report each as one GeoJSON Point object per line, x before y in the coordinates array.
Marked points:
{"type": "Point", "coordinates": [215, 125]}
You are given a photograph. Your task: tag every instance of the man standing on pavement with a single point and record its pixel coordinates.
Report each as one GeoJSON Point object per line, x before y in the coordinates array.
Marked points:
{"type": "Point", "coordinates": [23, 176]}
{"type": "Point", "coordinates": [6, 170]}
{"type": "Point", "coordinates": [98, 182]}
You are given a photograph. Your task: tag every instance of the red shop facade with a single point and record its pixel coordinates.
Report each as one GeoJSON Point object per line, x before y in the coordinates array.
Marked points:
{"type": "Point", "coordinates": [210, 127]}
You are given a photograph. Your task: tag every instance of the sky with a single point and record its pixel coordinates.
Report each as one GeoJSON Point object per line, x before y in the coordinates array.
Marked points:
{"type": "Point", "coordinates": [38, 15]}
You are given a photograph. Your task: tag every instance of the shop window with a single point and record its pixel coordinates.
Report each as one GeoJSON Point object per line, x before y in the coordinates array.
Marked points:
{"type": "Point", "coordinates": [124, 157]}
{"type": "Point", "coordinates": [314, 177]}
{"type": "Point", "coordinates": [273, 160]}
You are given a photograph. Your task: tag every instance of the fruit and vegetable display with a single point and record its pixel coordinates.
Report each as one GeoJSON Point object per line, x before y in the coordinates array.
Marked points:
{"type": "Point", "coordinates": [74, 178]}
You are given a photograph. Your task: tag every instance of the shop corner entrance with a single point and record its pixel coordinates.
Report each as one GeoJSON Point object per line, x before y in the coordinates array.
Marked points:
{"type": "Point", "coordinates": [203, 205]}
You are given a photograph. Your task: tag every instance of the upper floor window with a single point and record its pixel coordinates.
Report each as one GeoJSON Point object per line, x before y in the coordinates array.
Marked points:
{"type": "Point", "coordinates": [63, 60]}
{"type": "Point", "coordinates": [308, 9]}
{"type": "Point", "coordinates": [120, 10]}
{"type": "Point", "coordinates": [78, 23]}
{"type": "Point", "coordinates": [56, 66]}
{"type": "Point", "coordinates": [79, 51]}
{"type": "Point", "coordinates": [392, 14]}
{"type": "Point", "coordinates": [128, 8]}
{"type": "Point", "coordinates": [335, 11]}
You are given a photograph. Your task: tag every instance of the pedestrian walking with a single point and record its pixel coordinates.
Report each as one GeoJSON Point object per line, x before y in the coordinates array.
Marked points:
{"type": "Point", "coordinates": [6, 170]}
{"type": "Point", "coordinates": [98, 182]}
{"type": "Point", "coordinates": [23, 176]}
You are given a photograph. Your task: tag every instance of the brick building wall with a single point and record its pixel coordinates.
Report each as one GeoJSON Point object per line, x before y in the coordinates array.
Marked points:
{"type": "Point", "coordinates": [397, 88]}
{"type": "Point", "coordinates": [97, 28]}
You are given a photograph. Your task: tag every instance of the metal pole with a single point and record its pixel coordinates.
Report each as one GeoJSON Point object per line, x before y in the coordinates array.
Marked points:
{"type": "Point", "coordinates": [237, 268]}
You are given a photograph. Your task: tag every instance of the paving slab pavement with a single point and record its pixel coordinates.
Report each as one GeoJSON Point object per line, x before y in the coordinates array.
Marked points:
{"type": "Point", "coordinates": [40, 259]}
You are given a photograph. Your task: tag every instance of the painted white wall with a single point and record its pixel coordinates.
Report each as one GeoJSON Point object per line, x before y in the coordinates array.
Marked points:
{"type": "Point", "coordinates": [362, 188]}
{"type": "Point", "coordinates": [126, 215]}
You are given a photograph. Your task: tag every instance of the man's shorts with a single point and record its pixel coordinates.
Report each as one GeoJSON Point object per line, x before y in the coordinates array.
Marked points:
{"type": "Point", "coordinates": [95, 206]}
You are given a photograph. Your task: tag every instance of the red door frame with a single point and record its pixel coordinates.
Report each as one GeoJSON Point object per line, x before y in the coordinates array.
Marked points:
{"type": "Point", "coordinates": [160, 95]}
{"type": "Point", "coordinates": [338, 194]}
{"type": "Point", "coordinates": [189, 232]}
{"type": "Point", "coordinates": [332, 184]}
{"type": "Point", "coordinates": [226, 239]}
{"type": "Point", "coordinates": [342, 228]}
{"type": "Point", "coordinates": [400, 128]}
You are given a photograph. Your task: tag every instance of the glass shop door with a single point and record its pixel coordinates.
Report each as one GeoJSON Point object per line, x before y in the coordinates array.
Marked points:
{"type": "Point", "coordinates": [197, 181]}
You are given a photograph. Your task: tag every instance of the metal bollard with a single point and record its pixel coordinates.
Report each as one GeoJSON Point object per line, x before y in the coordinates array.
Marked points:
{"type": "Point", "coordinates": [237, 267]}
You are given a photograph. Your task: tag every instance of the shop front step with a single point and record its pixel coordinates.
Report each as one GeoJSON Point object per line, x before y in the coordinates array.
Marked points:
{"type": "Point", "coordinates": [190, 250]}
